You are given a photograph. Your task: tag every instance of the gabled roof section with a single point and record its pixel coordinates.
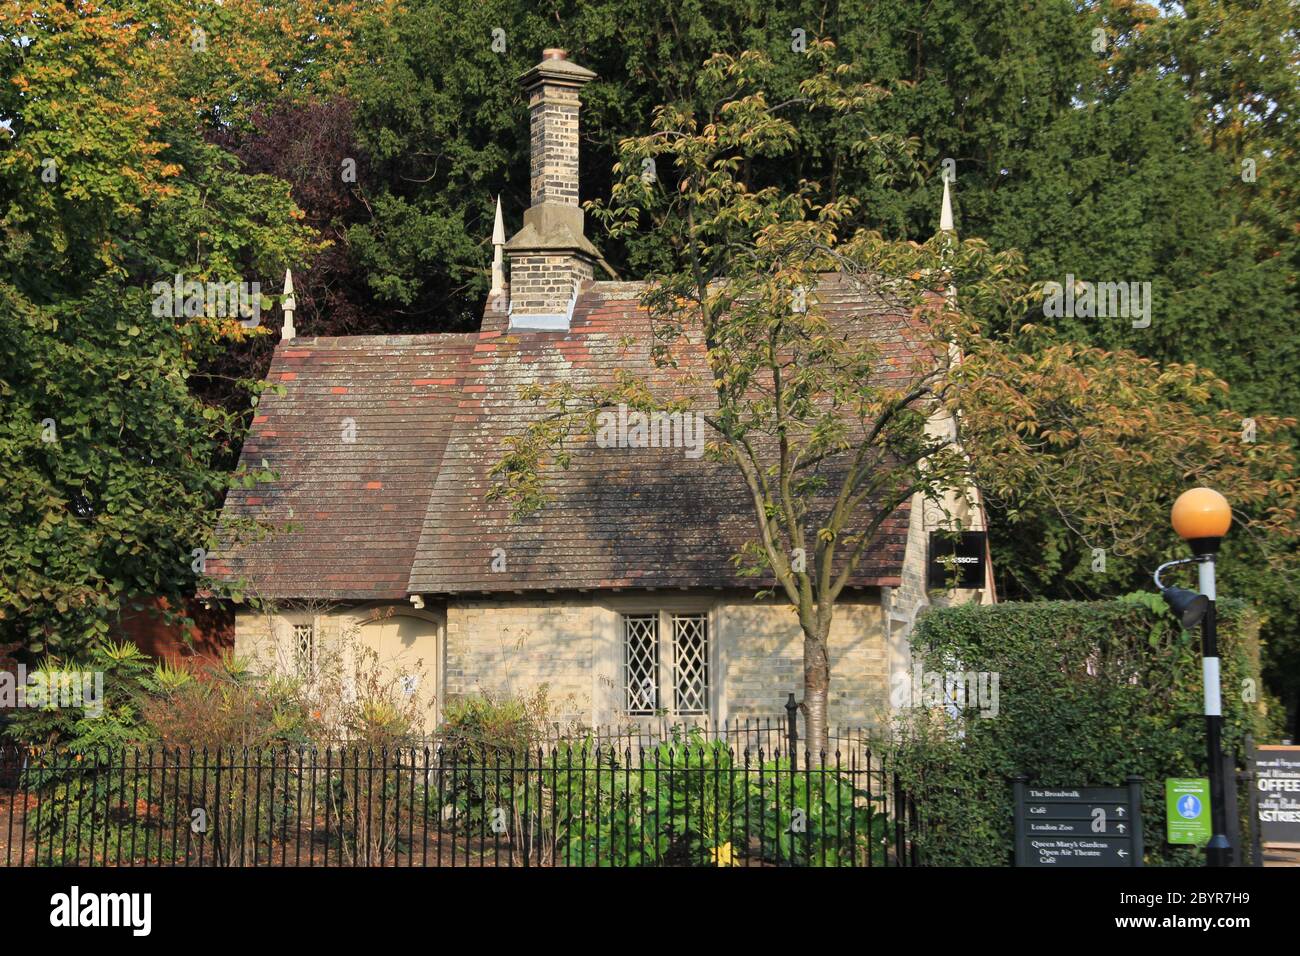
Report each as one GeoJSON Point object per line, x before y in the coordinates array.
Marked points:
{"type": "Point", "coordinates": [404, 508]}
{"type": "Point", "coordinates": [355, 440]}
{"type": "Point", "coordinates": [617, 517]}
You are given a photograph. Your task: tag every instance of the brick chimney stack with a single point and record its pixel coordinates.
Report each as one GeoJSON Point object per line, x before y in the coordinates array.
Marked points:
{"type": "Point", "coordinates": [550, 257]}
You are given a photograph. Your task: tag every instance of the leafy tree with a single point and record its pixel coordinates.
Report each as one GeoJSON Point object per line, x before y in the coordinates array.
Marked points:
{"type": "Point", "coordinates": [1118, 160]}
{"type": "Point", "coordinates": [112, 468]}
{"type": "Point", "coordinates": [1173, 167]}
{"type": "Point", "coordinates": [829, 434]}
{"type": "Point", "coordinates": [1122, 161]}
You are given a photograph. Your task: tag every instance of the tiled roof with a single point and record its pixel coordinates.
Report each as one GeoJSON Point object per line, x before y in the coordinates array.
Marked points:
{"type": "Point", "coordinates": [347, 514]}
{"type": "Point", "coordinates": [403, 508]}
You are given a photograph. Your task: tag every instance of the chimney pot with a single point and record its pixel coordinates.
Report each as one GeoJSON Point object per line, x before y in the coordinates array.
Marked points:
{"type": "Point", "coordinates": [555, 53]}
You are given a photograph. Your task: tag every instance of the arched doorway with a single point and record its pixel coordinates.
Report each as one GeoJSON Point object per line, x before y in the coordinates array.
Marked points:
{"type": "Point", "coordinates": [402, 652]}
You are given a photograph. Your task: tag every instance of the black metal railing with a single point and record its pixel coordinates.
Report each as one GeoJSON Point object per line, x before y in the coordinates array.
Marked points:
{"type": "Point", "coordinates": [693, 803]}
{"type": "Point", "coordinates": [765, 734]}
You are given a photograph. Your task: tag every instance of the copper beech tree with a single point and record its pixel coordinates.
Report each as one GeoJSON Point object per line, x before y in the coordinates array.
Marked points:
{"type": "Point", "coordinates": [829, 432]}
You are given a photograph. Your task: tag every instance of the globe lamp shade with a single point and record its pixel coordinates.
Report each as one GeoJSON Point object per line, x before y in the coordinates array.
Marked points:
{"type": "Point", "coordinates": [1201, 513]}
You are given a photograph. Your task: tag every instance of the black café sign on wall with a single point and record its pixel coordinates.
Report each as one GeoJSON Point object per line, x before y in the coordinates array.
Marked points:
{"type": "Point", "coordinates": [956, 560]}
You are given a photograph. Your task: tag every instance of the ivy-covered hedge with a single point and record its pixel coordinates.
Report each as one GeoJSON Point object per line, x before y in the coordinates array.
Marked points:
{"type": "Point", "coordinates": [1088, 694]}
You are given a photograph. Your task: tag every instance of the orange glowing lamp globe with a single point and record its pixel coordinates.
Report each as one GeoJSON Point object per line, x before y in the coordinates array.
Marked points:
{"type": "Point", "coordinates": [1201, 513]}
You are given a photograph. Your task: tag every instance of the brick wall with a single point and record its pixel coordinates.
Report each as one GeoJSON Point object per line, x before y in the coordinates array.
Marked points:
{"type": "Point", "coordinates": [542, 284]}
{"type": "Point", "coordinates": [213, 632]}
{"type": "Point", "coordinates": [762, 647]}
{"type": "Point", "coordinates": [553, 118]}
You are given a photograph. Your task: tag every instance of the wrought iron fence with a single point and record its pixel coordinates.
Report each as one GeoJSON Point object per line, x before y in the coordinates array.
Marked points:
{"type": "Point", "coordinates": [753, 734]}
{"type": "Point", "coordinates": [694, 803]}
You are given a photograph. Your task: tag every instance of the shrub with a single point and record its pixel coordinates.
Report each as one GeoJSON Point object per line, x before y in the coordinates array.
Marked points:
{"type": "Point", "coordinates": [818, 819]}
{"type": "Point", "coordinates": [481, 725]}
{"type": "Point", "coordinates": [487, 740]}
{"type": "Point", "coordinates": [225, 706]}
{"type": "Point", "coordinates": [126, 671]}
{"type": "Point", "coordinates": [1089, 694]}
{"type": "Point", "coordinates": [691, 802]}
{"type": "Point", "coordinates": [214, 716]}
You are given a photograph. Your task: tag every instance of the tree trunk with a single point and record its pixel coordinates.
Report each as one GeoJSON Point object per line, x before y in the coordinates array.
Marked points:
{"type": "Point", "coordinates": [816, 682]}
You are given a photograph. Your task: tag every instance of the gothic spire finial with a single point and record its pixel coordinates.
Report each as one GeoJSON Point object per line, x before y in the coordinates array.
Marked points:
{"type": "Point", "coordinates": [945, 211]}
{"type": "Point", "coordinates": [288, 304]}
{"type": "Point", "coordinates": [498, 253]}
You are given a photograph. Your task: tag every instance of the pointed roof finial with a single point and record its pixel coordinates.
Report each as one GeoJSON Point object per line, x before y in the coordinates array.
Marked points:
{"type": "Point", "coordinates": [945, 226]}
{"type": "Point", "coordinates": [288, 303]}
{"type": "Point", "coordinates": [945, 212]}
{"type": "Point", "coordinates": [498, 253]}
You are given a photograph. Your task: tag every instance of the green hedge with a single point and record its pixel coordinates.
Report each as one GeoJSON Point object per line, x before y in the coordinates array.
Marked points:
{"type": "Point", "coordinates": [1088, 694]}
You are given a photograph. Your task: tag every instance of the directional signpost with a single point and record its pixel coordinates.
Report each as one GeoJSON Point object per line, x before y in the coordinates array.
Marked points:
{"type": "Point", "coordinates": [1078, 826]}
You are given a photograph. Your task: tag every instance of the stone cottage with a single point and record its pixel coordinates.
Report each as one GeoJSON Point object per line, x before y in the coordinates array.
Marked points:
{"type": "Point", "coordinates": [621, 594]}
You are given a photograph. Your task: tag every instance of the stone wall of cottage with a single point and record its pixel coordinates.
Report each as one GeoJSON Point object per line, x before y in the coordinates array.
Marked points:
{"type": "Point", "coordinates": [911, 595]}
{"type": "Point", "coordinates": [762, 650]}
{"type": "Point", "coordinates": [504, 647]}
{"type": "Point", "coordinates": [264, 638]}
{"type": "Point", "coordinates": [514, 645]}
{"type": "Point", "coordinates": [574, 645]}
{"type": "Point", "coordinates": [397, 645]}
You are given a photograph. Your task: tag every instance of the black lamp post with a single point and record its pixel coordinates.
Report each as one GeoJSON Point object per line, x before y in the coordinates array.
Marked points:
{"type": "Point", "coordinates": [1202, 517]}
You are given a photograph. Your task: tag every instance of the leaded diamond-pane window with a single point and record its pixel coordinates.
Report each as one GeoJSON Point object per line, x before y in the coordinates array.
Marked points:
{"type": "Point", "coordinates": [672, 675]}
{"type": "Point", "coordinates": [304, 649]}
{"type": "Point", "coordinates": [691, 663]}
{"type": "Point", "coordinates": [641, 662]}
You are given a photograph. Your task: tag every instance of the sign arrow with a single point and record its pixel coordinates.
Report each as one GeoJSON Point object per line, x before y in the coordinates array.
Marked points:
{"type": "Point", "coordinates": [1064, 827]}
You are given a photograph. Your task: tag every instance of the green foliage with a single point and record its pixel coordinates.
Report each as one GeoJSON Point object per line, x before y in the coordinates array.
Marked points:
{"type": "Point", "coordinates": [227, 705]}
{"type": "Point", "coordinates": [692, 802]}
{"type": "Point", "coordinates": [1089, 694]}
{"type": "Point", "coordinates": [818, 819]}
{"type": "Point", "coordinates": [479, 725]}
{"type": "Point", "coordinates": [111, 469]}
{"type": "Point", "coordinates": [103, 813]}
{"type": "Point", "coordinates": [219, 738]}
{"type": "Point", "coordinates": [688, 801]}
{"type": "Point", "coordinates": [441, 115]}
{"type": "Point", "coordinates": [123, 672]}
